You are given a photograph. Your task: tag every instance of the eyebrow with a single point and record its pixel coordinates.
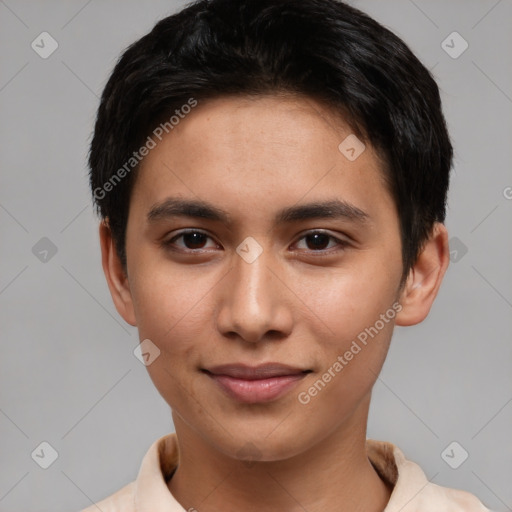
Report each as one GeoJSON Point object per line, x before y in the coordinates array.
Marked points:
{"type": "Point", "coordinates": [332, 209]}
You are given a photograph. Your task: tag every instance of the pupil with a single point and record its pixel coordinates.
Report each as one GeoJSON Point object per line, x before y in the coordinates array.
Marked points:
{"type": "Point", "coordinates": [194, 239]}
{"type": "Point", "coordinates": [320, 241]}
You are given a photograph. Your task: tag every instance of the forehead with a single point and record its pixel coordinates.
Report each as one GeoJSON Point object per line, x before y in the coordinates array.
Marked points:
{"type": "Point", "coordinates": [275, 149]}
{"type": "Point", "coordinates": [270, 124]}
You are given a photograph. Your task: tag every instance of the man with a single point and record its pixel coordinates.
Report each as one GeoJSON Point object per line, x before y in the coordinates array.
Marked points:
{"type": "Point", "coordinates": [271, 178]}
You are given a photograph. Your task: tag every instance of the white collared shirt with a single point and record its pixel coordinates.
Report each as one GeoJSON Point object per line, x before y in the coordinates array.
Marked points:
{"type": "Point", "coordinates": [412, 492]}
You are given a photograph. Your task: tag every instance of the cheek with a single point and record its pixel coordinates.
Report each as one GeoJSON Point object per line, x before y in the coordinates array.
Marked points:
{"type": "Point", "coordinates": [352, 330]}
{"type": "Point", "coordinates": [173, 315]}
{"type": "Point", "coordinates": [173, 309]}
{"type": "Point", "coordinates": [169, 302]}
{"type": "Point", "coordinates": [344, 306]}
{"type": "Point", "coordinates": [350, 358]}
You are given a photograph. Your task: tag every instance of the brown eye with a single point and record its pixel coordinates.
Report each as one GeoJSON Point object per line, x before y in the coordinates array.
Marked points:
{"type": "Point", "coordinates": [321, 242]}
{"type": "Point", "coordinates": [190, 241]}
{"type": "Point", "coordinates": [317, 241]}
{"type": "Point", "coordinates": [194, 240]}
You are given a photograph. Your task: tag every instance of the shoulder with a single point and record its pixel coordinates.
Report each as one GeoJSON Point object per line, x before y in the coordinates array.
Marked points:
{"type": "Point", "coordinates": [121, 501]}
{"type": "Point", "coordinates": [150, 486]}
{"type": "Point", "coordinates": [444, 499]}
{"type": "Point", "coordinates": [411, 490]}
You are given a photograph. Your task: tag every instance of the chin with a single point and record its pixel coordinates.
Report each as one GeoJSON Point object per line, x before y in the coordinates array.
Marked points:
{"type": "Point", "coordinates": [259, 446]}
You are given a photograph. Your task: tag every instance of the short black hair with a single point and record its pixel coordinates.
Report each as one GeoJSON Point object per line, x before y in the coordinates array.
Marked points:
{"type": "Point", "coordinates": [324, 49]}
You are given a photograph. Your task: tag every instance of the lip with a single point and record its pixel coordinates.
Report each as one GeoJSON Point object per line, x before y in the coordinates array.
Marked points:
{"type": "Point", "coordinates": [256, 384]}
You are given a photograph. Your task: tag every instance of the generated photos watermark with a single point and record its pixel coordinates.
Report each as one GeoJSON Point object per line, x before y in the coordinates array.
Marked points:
{"type": "Point", "coordinates": [304, 397]}
{"type": "Point", "coordinates": [151, 143]}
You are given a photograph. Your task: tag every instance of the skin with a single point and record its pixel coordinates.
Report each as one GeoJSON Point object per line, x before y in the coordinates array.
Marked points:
{"type": "Point", "coordinates": [298, 303]}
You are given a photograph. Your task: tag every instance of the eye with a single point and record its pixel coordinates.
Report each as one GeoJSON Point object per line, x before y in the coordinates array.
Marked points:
{"type": "Point", "coordinates": [192, 240]}
{"type": "Point", "coordinates": [319, 241]}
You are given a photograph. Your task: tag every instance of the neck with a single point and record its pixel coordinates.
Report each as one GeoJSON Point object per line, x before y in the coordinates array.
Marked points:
{"type": "Point", "coordinates": [333, 475]}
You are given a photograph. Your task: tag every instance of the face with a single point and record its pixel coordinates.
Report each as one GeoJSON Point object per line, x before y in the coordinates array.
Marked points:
{"type": "Point", "coordinates": [254, 242]}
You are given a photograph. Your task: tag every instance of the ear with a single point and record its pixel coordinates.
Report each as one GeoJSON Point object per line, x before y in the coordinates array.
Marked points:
{"type": "Point", "coordinates": [117, 279]}
{"type": "Point", "coordinates": [425, 277]}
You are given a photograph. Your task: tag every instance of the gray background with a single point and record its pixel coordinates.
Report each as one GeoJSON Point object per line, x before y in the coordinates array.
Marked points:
{"type": "Point", "coordinates": [68, 373]}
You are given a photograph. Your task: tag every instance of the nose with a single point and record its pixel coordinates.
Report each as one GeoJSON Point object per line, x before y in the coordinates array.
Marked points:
{"type": "Point", "coordinates": [255, 303]}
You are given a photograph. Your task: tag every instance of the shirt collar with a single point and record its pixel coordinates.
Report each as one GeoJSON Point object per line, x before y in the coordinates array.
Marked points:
{"type": "Point", "coordinates": [411, 488]}
{"type": "Point", "coordinates": [151, 491]}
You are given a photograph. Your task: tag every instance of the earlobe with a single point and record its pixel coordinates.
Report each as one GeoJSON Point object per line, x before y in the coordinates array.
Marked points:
{"type": "Point", "coordinates": [425, 278]}
{"type": "Point", "coordinates": [115, 275]}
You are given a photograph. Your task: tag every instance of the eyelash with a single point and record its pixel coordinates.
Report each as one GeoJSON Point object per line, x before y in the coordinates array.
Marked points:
{"type": "Point", "coordinates": [342, 244]}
